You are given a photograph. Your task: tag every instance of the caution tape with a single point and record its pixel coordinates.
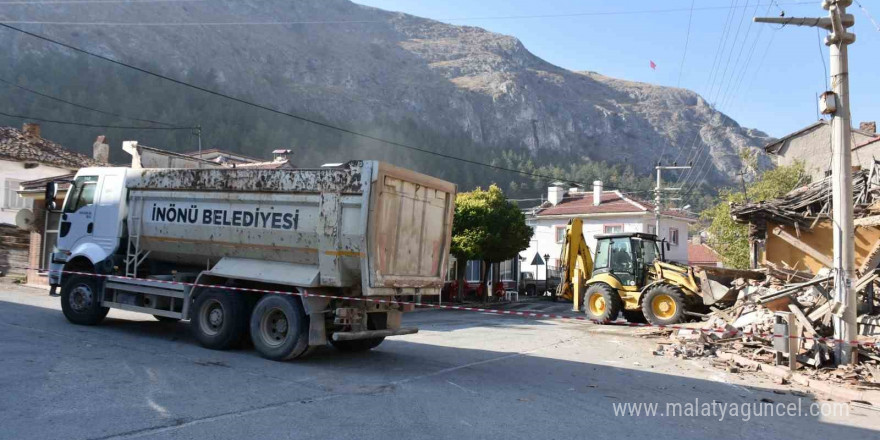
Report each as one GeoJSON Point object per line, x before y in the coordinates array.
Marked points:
{"type": "Point", "coordinates": [538, 315]}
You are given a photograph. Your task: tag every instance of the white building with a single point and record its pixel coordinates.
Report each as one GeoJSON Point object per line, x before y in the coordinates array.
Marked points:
{"type": "Point", "coordinates": [602, 212]}
{"type": "Point", "coordinates": [24, 155]}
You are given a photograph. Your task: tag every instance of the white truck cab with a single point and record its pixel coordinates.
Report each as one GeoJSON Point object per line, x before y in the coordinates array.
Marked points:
{"type": "Point", "coordinates": [92, 218]}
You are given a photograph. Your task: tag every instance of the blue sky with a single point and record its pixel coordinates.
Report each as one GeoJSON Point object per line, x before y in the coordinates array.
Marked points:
{"type": "Point", "coordinates": [777, 95]}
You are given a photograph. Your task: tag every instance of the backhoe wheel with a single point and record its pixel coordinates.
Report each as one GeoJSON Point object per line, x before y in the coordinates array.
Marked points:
{"type": "Point", "coordinates": [219, 319]}
{"type": "Point", "coordinates": [280, 327]}
{"type": "Point", "coordinates": [81, 300]}
{"type": "Point", "coordinates": [602, 303]}
{"type": "Point", "coordinates": [664, 305]}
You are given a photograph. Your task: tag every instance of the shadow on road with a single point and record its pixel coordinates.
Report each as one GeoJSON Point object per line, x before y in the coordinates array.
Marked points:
{"type": "Point", "coordinates": [142, 377]}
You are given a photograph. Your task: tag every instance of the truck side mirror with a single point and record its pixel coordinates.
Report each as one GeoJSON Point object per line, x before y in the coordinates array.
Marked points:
{"type": "Point", "coordinates": [668, 246]}
{"type": "Point", "coordinates": [51, 193]}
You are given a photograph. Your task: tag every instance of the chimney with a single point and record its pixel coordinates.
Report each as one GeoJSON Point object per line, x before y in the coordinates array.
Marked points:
{"type": "Point", "coordinates": [555, 193]}
{"type": "Point", "coordinates": [101, 150]}
{"type": "Point", "coordinates": [597, 192]}
{"type": "Point", "coordinates": [31, 129]}
{"type": "Point", "coordinates": [870, 127]}
{"type": "Point", "coordinates": [281, 155]}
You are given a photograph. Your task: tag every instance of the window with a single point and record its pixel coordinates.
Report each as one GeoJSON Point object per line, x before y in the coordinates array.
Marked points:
{"type": "Point", "coordinates": [611, 229]}
{"type": "Point", "coordinates": [472, 273]}
{"type": "Point", "coordinates": [82, 193]}
{"type": "Point", "coordinates": [673, 236]}
{"type": "Point", "coordinates": [602, 254]}
{"type": "Point", "coordinates": [506, 270]}
{"type": "Point", "coordinates": [11, 200]}
{"type": "Point", "coordinates": [560, 234]}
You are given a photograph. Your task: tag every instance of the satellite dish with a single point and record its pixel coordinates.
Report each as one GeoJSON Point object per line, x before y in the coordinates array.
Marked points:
{"type": "Point", "coordinates": [24, 219]}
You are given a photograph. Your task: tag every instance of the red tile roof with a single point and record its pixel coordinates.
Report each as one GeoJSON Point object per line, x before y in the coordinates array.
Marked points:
{"type": "Point", "coordinates": [702, 255]}
{"type": "Point", "coordinates": [611, 202]}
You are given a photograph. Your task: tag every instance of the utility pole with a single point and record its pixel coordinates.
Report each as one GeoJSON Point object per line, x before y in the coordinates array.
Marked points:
{"type": "Point", "coordinates": [197, 130]}
{"type": "Point", "coordinates": [836, 103]}
{"type": "Point", "coordinates": [658, 192]}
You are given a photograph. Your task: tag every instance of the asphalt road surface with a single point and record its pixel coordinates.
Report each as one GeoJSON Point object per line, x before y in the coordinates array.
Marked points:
{"type": "Point", "coordinates": [465, 375]}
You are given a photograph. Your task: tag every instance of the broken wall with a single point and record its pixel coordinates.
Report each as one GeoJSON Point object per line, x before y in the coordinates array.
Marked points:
{"type": "Point", "coordinates": [784, 254]}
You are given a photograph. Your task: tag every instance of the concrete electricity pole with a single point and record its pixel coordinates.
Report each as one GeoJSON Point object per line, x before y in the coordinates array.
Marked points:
{"type": "Point", "coordinates": [658, 192]}
{"type": "Point", "coordinates": [836, 103]}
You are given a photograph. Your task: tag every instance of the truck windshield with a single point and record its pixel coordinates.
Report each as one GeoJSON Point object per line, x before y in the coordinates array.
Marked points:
{"type": "Point", "coordinates": [81, 193]}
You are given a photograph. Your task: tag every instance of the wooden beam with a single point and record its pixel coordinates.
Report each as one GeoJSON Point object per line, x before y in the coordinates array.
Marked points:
{"type": "Point", "coordinates": [805, 248]}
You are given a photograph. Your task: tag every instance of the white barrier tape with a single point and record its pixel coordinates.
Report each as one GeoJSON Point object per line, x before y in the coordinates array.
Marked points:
{"type": "Point", "coordinates": [469, 309]}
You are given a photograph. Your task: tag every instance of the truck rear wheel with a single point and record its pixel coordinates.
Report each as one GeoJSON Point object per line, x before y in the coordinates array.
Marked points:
{"type": "Point", "coordinates": [602, 303]}
{"type": "Point", "coordinates": [357, 345]}
{"type": "Point", "coordinates": [664, 305]}
{"type": "Point", "coordinates": [280, 327]}
{"type": "Point", "coordinates": [81, 300]}
{"type": "Point", "coordinates": [219, 319]}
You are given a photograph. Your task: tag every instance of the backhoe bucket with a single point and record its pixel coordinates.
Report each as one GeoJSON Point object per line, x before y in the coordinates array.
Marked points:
{"type": "Point", "coordinates": [715, 283]}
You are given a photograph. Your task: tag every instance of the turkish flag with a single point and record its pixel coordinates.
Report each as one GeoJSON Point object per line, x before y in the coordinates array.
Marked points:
{"type": "Point", "coordinates": [653, 66]}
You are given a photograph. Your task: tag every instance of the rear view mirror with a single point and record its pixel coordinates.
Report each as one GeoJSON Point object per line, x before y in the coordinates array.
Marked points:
{"type": "Point", "coordinates": [51, 193]}
{"type": "Point", "coordinates": [668, 246]}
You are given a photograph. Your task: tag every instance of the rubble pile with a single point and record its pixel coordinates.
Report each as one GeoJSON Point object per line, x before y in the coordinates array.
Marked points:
{"type": "Point", "coordinates": [746, 328]}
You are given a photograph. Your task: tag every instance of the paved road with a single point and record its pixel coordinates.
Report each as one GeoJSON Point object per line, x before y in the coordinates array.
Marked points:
{"type": "Point", "coordinates": [465, 375]}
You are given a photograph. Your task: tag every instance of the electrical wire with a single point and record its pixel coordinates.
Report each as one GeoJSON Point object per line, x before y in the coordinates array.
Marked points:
{"type": "Point", "coordinates": [290, 115]}
{"type": "Point", "coordinates": [79, 2]}
{"type": "Point", "coordinates": [687, 39]}
{"type": "Point", "coordinates": [13, 84]}
{"type": "Point", "coordinates": [83, 124]}
{"type": "Point", "coordinates": [305, 22]}
{"type": "Point", "coordinates": [868, 14]}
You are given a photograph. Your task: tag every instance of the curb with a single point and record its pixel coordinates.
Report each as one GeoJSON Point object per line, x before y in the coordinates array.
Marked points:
{"type": "Point", "coordinates": [833, 391]}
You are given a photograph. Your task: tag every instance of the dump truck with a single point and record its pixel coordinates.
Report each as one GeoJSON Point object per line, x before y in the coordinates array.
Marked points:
{"type": "Point", "coordinates": [293, 258]}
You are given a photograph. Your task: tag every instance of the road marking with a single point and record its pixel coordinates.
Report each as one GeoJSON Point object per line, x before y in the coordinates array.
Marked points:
{"type": "Point", "coordinates": [460, 387]}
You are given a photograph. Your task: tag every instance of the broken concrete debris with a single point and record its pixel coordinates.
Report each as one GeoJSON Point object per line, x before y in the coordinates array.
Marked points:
{"type": "Point", "coordinates": [746, 327]}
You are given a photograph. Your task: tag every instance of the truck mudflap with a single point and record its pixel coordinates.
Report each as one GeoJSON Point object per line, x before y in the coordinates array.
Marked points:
{"type": "Point", "coordinates": [368, 334]}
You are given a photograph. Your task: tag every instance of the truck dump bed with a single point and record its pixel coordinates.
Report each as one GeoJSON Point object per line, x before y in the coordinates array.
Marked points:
{"type": "Point", "coordinates": [365, 225]}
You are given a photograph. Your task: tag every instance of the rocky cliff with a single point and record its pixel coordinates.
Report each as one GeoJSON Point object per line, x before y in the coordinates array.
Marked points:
{"type": "Point", "coordinates": [391, 74]}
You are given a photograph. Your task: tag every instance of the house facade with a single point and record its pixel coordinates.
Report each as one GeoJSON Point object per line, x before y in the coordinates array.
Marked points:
{"type": "Point", "coordinates": [26, 156]}
{"type": "Point", "coordinates": [812, 146]}
{"type": "Point", "coordinates": [602, 212]}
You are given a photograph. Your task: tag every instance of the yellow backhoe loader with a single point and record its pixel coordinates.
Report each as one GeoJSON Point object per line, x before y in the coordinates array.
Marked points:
{"type": "Point", "coordinates": [629, 274]}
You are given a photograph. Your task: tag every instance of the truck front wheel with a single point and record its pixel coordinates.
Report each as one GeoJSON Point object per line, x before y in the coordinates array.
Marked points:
{"type": "Point", "coordinates": [219, 319]}
{"type": "Point", "coordinates": [280, 327]}
{"type": "Point", "coordinates": [81, 300]}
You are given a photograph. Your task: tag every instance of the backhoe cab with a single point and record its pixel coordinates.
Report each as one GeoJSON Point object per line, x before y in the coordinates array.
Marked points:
{"type": "Point", "coordinates": [629, 275]}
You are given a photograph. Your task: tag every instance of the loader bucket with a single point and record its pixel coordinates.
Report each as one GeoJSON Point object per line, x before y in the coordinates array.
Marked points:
{"type": "Point", "coordinates": [715, 283]}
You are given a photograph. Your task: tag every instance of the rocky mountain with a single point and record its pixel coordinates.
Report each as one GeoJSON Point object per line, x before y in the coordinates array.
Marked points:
{"type": "Point", "coordinates": [442, 87]}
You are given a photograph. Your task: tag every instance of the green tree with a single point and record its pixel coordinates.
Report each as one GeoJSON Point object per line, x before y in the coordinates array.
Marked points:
{"type": "Point", "coordinates": [486, 227]}
{"type": "Point", "coordinates": [731, 239]}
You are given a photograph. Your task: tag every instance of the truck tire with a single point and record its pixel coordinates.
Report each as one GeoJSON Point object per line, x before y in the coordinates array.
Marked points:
{"type": "Point", "coordinates": [81, 300]}
{"type": "Point", "coordinates": [219, 319]}
{"type": "Point", "coordinates": [280, 327]}
{"type": "Point", "coordinates": [602, 303]}
{"type": "Point", "coordinates": [531, 291]}
{"type": "Point", "coordinates": [358, 345]}
{"type": "Point", "coordinates": [664, 304]}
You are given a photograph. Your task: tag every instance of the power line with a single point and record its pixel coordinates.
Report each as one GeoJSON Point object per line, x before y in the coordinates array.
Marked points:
{"type": "Point", "coordinates": [77, 2]}
{"type": "Point", "coordinates": [83, 124]}
{"type": "Point", "coordinates": [687, 40]}
{"type": "Point", "coordinates": [272, 110]}
{"type": "Point", "coordinates": [733, 75]}
{"type": "Point", "coordinates": [868, 14]}
{"type": "Point", "coordinates": [822, 57]}
{"type": "Point", "coordinates": [13, 84]}
{"type": "Point", "coordinates": [304, 22]}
